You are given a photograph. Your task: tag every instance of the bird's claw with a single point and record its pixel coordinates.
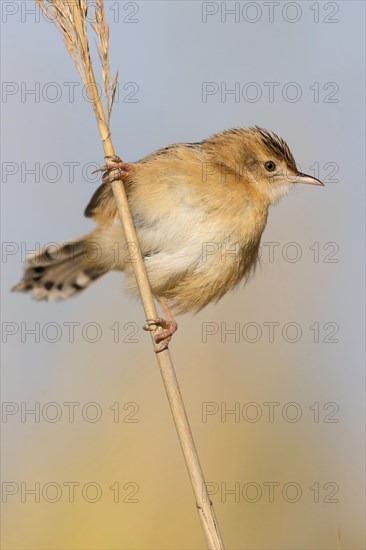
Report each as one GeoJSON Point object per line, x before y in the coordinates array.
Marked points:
{"type": "Point", "coordinates": [164, 336]}
{"type": "Point", "coordinates": [114, 170]}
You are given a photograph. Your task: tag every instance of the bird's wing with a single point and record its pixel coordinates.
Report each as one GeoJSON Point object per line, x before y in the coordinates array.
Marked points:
{"type": "Point", "coordinates": [150, 169]}
{"type": "Point", "coordinates": [102, 206]}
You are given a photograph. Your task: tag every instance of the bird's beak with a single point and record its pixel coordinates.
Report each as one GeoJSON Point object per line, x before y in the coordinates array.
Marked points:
{"type": "Point", "coordinates": [304, 178]}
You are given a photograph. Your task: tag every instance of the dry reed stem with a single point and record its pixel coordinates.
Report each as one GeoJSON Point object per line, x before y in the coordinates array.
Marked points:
{"type": "Point", "coordinates": [70, 17]}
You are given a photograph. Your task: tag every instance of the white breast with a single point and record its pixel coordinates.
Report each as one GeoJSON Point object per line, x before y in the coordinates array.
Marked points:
{"type": "Point", "coordinates": [190, 238]}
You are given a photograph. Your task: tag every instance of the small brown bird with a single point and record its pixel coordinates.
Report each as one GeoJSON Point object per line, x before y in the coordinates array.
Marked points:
{"type": "Point", "coordinates": [199, 210]}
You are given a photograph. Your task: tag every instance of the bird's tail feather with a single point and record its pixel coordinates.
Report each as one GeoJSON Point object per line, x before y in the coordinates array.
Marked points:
{"type": "Point", "coordinates": [59, 271]}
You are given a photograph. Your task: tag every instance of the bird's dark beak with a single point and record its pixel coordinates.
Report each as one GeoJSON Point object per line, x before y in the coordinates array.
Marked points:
{"type": "Point", "coordinates": [304, 178]}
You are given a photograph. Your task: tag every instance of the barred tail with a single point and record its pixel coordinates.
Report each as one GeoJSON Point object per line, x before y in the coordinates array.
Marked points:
{"type": "Point", "coordinates": [60, 271]}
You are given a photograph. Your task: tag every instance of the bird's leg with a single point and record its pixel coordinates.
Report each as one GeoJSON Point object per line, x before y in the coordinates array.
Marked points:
{"type": "Point", "coordinates": [110, 169]}
{"type": "Point", "coordinates": [169, 325]}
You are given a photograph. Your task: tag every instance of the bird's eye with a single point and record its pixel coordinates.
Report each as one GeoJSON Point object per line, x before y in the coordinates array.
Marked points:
{"type": "Point", "coordinates": [270, 166]}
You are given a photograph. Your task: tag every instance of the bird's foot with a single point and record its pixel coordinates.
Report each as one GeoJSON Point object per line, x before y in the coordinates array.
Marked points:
{"type": "Point", "coordinates": [164, 336]}
{"type": "Point", "coordinates": [115, 169]}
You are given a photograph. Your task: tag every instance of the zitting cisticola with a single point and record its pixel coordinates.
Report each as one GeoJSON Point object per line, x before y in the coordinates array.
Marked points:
{"type": "Point", "coordinates": [199, 210]}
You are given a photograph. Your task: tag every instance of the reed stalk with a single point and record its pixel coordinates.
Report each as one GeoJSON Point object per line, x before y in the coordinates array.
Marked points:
{"type": "Point", "coordinates": [70, 18]}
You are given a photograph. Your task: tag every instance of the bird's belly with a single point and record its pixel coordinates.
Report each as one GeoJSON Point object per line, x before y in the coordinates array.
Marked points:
{"type": "Point", "coordinates": [192, 256]}
{"type": "Point", "coordinates": [176, 243]}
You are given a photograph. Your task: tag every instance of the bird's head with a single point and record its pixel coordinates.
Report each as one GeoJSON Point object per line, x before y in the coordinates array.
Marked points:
{"type": "Point", "coordinates": [262, 159]}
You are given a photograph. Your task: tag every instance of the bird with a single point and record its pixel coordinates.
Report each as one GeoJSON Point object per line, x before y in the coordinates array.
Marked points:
{"type": "Point", "coordinates": [199, 210]}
